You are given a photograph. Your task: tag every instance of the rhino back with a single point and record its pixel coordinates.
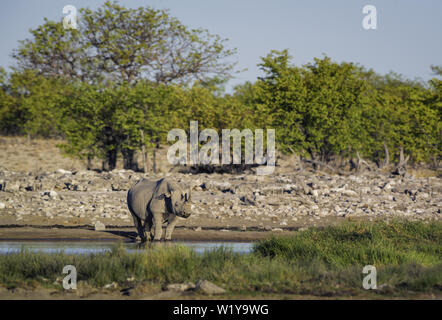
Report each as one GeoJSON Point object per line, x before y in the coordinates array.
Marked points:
{"type": "Point", "coordinates": [139, 196]}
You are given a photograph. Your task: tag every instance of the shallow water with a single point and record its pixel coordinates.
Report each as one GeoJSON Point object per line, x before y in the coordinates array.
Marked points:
{"type": "Point", "coordinates": [90, 247]}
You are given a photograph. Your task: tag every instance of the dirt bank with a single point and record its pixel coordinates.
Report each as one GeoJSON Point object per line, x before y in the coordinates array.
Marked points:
{"type": "Point", "coordinates": [126, 234]}
{"type": "Point", "coordinates": [149, 292]}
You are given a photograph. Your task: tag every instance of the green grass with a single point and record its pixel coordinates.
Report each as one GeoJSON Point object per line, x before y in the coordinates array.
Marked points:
{"type": "Point", "coordinates": [322, 262]}
{"type": "Point", "coordinates": [364, 243]}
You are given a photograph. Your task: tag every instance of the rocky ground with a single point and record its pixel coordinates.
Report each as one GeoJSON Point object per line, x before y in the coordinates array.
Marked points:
{"type": "Point", "coordinates": [287, 200]}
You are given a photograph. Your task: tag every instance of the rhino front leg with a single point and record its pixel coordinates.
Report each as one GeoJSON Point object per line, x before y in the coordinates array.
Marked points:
{"type": "Point", "coordinates": [158, 228]}
{"type": "Point", "coordinates": [171, 225]}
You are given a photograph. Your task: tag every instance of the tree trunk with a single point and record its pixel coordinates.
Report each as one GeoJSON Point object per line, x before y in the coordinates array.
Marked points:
{"type": "Point", "coordinates": [128, 159]}
{"type": "Point", "coordinates": [358, 162]}
{"type": "Point", "coordinates": [109, 140]}
{"type": "Point", "coordinates": [319, 163]}
{"type": "Point", "coordinates": [110, 162]}
{"type": "Point", "coordinates": [143, 152]}
{"type": "Point", "coordinates": [434, 163]}
{"type": "Point", "coordinates": [353, 164]}
{"type": "Point", "coordinates": [361, 162]}
{"type": "Point", "coordinates": [298, 158]}
{"type": "Point", "coordinates": [301, 165]}
{"type": "Point", "coordinates": [89, 162]}
{"type": "Point", "coordinates": [387, 156]}
{"type": "Point", "coordinates": [313, 161]}
{"type": "Point", "coordinates": [401, 168]}
{"type": "Point", "coordinates": [154, 162]}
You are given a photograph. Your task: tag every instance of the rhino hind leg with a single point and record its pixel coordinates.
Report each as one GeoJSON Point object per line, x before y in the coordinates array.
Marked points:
{"type": "Point", "coordinates": [148, 228]}
{"type": "Point", "coordinates": [140, 229]}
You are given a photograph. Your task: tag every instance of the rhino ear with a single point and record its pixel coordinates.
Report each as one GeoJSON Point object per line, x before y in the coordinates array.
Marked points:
{"type": "Point", "coordinates": [173, 191]}
{"type": "Point", "coordinates": [163, 190]}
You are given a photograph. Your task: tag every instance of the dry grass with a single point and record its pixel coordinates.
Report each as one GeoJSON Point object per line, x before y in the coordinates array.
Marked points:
{"type": "Point", "coordinates": [425, 173]}
{"type": "Point", "coordinates": [20, 154]}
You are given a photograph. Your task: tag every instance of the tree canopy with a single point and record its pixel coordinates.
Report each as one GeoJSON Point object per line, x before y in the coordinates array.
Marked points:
{"type": "Point", "coordinates": [119, 44]}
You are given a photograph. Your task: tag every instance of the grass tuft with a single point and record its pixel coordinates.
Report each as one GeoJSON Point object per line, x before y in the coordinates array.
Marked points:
{"type": "Point", "coordinates": [360, 244]}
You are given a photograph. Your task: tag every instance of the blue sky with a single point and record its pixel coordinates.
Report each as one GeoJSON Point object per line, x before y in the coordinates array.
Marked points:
{"type": "Point", "coordinates": [408, 38]}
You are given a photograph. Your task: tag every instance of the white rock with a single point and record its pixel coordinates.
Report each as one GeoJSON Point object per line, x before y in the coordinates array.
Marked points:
{"type": "Point", "coordinates": [112, 285]}
{"type": "Point", "coordinates": [99, 226]}
{"type": "Point", "coordinates": [387, 186]}
{"type": "Point", "coordinates": [2, 205]}
{"type": "Point", "coordinates": [53, 194]}
{"type": "Point", "coordinates": [349, 193]}
{"type": "Point", "coordinates": [62, 171]}
{"type": "Point", "coordinates": [49, 194]}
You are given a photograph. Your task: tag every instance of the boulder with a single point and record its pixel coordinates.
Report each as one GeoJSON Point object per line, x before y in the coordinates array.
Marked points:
{"type": "Point", "coordinates": [208, 288]}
